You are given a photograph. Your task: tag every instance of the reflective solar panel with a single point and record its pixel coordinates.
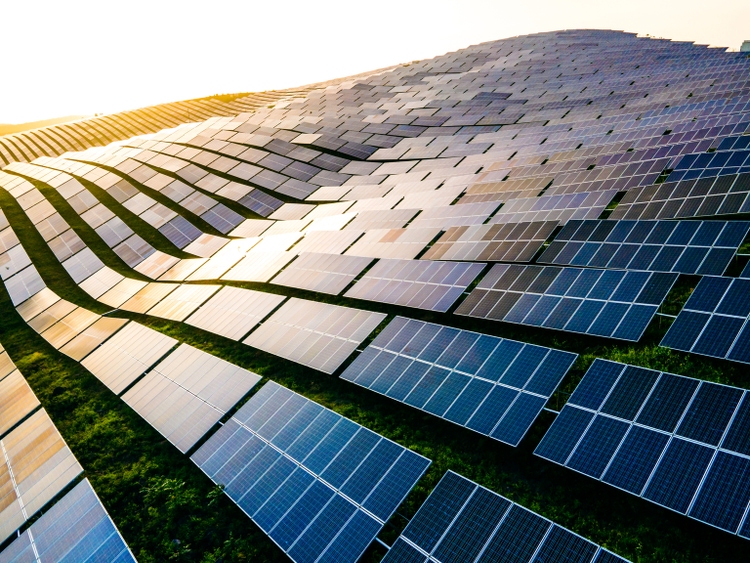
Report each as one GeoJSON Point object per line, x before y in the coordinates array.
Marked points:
{"type": "Point", "coordinates": [676, 441]}
{"type": "Point", "coordinates": [393, 243]}
{"type": "Point", "coordinates": [686, 247]}
{"type": "Point", "coordinates": [713, 321]}
{"type": "Point", "coordinates": [76, 528]}
{"type": "Point", "coordinates": [36, 467]}
{"type": "Point", "coordinates": [491, 385]}
{"type": "Point", "coordinates": [324, 273]}
{"type": "Point", "coordinates": [432, 286]}
{"type": "Point", "coordinates": [613, 303]}
{"type": "Point", "coordinates": [187, 392]}
{"type": "Point", "coordinates": [314, 334]}
{"type": "Point", "coordinates": [319, 485]}
{"type": "Point", "coordinates": [463, 521]}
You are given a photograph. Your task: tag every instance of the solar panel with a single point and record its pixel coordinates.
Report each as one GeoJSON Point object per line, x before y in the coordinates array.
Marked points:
{"type": "Point", "coordinates": [561, 208]}
{"type": "Point", "coordinates": [686, 247]}
{"type": "Point", "coordinates": [187, 393]}
{"type": "Point", "coordinates": [17, 399]}
{"type": "Point", "coordinates": [233, 312]}
{"type": "Point", "coordinates": [456, 215]}
{"type": "Point", "coordinates": [324, 273]}
{"type": "Point", "coordinates": [713, 321]}
{"type": "Point", "coordinates": [76, 528]}
{"type": "Point", "coordinates": [463, 521]}
{"type": "Point", "coordinates": [147, 296]}
{"type": "Point", "coordinates": [181, 302]}
{"type": "Point", "coordinates": [510, 242]}
{"type": "Point", "coordinates": [314, 334]}
{"type": "Point", "coordinates": [128, 354]}
{"type": "Point", "coordinates": [393, 243]}
{"type": "Point", "coordinates": [319, 485]}
{"type": "Point", "coordinates": [259, 266]}
{"type": "Point", "coordinates": [676, 441]}
{"type": "Point", "coordinates": [613, 303]}
{"type": "Point", "coordinates": [36, 467]}
{"type": "Point", "coordinates": [491, 385]}
{"type": "Point", "coordinates": [432, 286]}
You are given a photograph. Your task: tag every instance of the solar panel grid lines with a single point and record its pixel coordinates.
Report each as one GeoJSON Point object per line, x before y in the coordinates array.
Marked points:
{"type": "Point", "coordinates": [713, 322]}
{"type": "Point", "coordinates": [687, 247]}
{"type": "Point", "coordinates": [463, 521]}
{"type": "Point", "coordinates": [317, 335]}
{"type": "Point", "coordinates": [679, 442]}
{"type": "Point", "coordinates": [611, 303]}
{"type": "Point", "coordinates": [38, 465]}
{"type": "Point", "coordinates": [324, 273]}
{"type": "Point", "coordinates": [318, 484]}
{"type": "Point", "coordinates": [494, 386]}
{"type": "Point", "coordinates": [77, 527]}
{"type": "Point", "coordinates": [510, 242]}
{"type": "Point", "coordinates": [187, 393]}
{"type": "Point", "coordinates": [422, 284]}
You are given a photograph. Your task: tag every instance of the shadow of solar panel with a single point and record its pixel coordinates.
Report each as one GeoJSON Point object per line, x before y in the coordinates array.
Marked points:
{"type": "Point", "coordinates": [616, 304]}
{"type": "Point", "coordinates": [687, 247]}
{"type": "Point", "coordinates": [318, 484]}
{"type": "Point", "coordinates": [463, 521]}
{"type": "Point", "coordinates": [676, 441]}
{"type": "Point", "coordinates": [432, 286]}
{"type": "Point", "coordinates": [494, 386]}
{"type": "Point", "coordinates": [76, 528]}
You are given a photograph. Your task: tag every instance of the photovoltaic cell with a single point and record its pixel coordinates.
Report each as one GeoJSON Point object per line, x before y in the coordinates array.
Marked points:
{"type": "Point", "coordinates": [613, 303]}
{"type": "Point", "coordinates": [676, 441]}
{"type": "Point", "coordinates": [426, 285]}
{"type": "Point", "coordinates": [76, 528]}
{"type": "Point", "coordinates": [494, 386]}
{"type": "Point", "coordinates": [319, 485]}
{"type": "Point", "coordinates": [462, 521]}
{"type": "Point", "coordinates": [324, 273]}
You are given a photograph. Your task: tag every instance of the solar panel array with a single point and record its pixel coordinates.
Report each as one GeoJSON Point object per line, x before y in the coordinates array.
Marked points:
{"type": "Point", "coordinates": [325, 273]}
{"type": "Point", "coordinates": [676, 441]}
{"type": "Point", "coordinates": [314, 334]}
{"type": "Point", "coordinates": [463, 521]}
{"type": "Point", "coordinates": [76, 528]}
{"type": "Point", "coordinates": [613, 303]}
{"type": "Point", "coordinates": [494, 386]}
{"type": "Point", "coordinates": [422, 284]}
{"type": "Point", "coordinates": [319, 485]}
{"type": "Point", "coordinates": [686, 247]}
{"type": "Point", "coordinates": [713, 321]}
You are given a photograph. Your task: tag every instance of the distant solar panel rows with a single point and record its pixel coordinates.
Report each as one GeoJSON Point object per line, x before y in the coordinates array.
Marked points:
{"type": "Point", "coordinates": [686, 247]}
{"type": "Point", "coordinates": [319, 485]}
{"type": "Point", "coordinates": [76, 528]}
{"type": "Point", "coordinates": [511, 242]}
{"type": "Point", "coordinates": [707, 197]}
{"type": "Point", "coordinates": [713, 321]}
{"type": "Point", "coordinates": [732, 156]}
{"type": "Point", "coordinates": [676, 441]}
{"type": "Point", "coordinates": [612, 303]}
{"type": "Point", "coordinates": [494, 386]}
{"type": "Point", "coordinates": [462, 521]}
{"type": "Point", "coordinates": [425, 285]}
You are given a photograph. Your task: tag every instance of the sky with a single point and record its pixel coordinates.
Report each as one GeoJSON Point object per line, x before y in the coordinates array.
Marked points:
{"type": "Point", "coordinates": [81, 57]}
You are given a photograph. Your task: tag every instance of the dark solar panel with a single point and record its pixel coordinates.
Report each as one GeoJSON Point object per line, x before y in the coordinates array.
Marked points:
{"type": "Point", "coordinates": [494, 386]}
{"type": "Point", "coordinates": [318, 484]}
{"type": "Point", "coordinates": [686, 247]}
{"type": "Point", "coordinates": [614, 303]}
{"type": "Point", "coordinates": [462, 521]}
{"type": "Point", "coordinates": [676, 441]}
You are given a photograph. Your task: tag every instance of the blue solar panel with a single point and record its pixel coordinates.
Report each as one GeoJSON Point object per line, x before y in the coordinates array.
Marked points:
{"type": "Point", "coordinates": [713, 321]}
{"type": "Point", "coordinates": [318, 484]}
{"type": "Point", "coordinates": [492, 385]}
{"type": "Point", "coordinates": [76, 528]}
{"type": "Point", "coordinates": [679, 442]}
{"type": "Point", "coordinates": [461, 521]}
{"type": "Point", "coordinates": [612, 303]}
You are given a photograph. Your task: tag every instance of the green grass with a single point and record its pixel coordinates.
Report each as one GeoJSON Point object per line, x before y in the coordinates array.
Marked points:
{"type": "Point", "coordinates": [168, 510]}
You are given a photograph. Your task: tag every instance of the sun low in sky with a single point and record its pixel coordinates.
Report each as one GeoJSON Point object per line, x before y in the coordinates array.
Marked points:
{"type": "Point", "coordinates": [81, 57]}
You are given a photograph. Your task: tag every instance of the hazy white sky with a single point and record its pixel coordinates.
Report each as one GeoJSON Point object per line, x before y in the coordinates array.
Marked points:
{"type": "Point", "coordinates": [63, 57]}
